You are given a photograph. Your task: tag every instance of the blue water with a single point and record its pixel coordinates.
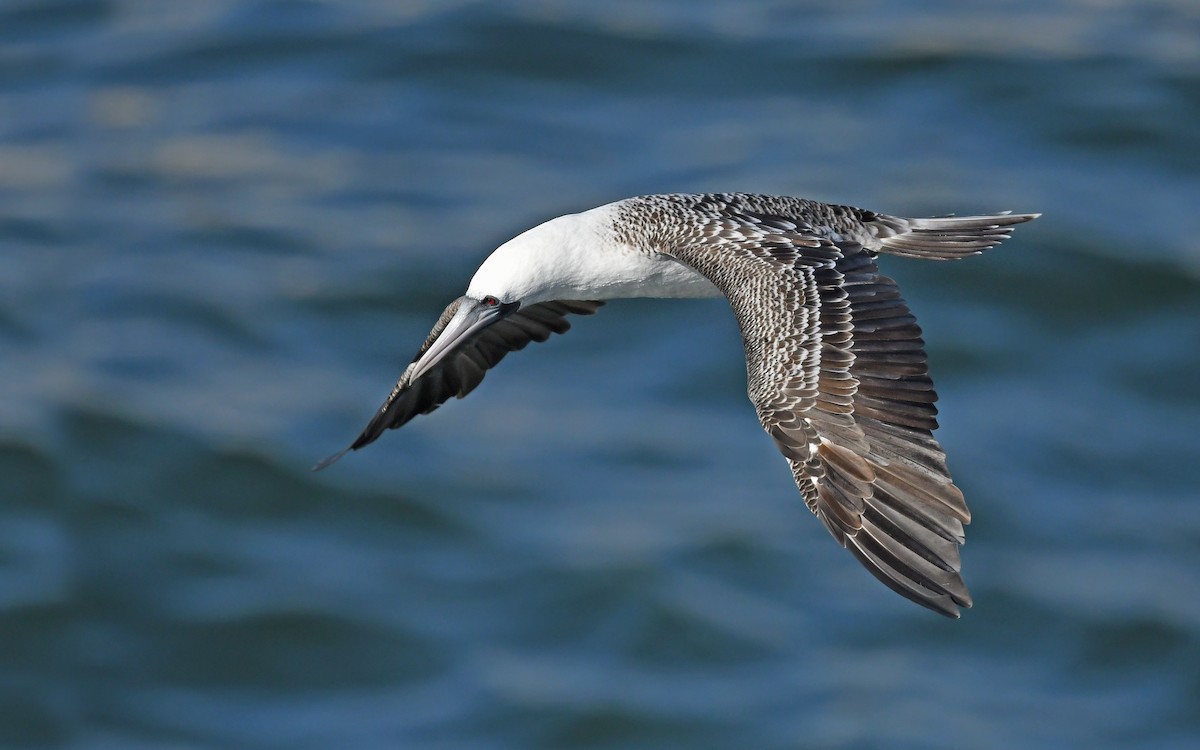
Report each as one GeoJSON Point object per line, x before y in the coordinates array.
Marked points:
{"type": "Point", "coordinates": [226, 226]}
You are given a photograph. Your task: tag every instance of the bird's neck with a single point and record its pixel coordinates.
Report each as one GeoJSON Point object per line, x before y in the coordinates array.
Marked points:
{"type": "Point", "coordinates": [580, 256]}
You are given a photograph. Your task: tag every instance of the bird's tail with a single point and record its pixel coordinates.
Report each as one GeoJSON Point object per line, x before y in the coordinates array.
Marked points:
{"type": "Point", "coordinates": [946, 237]}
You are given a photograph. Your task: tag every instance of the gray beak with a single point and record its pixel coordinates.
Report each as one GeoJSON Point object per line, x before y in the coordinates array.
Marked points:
{"type": "Point", "coordinates": [472, 317]}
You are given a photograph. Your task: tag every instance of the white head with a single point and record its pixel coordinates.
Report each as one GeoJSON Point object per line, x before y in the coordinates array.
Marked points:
{"type": "Point", "coordinates": [561, 259]}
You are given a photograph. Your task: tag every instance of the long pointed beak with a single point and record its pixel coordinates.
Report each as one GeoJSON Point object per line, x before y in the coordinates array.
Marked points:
{"type": "Point", "coordinates": [472, 317]}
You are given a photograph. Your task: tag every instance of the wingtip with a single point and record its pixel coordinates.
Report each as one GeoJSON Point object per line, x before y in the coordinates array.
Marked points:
{"type": "Point", "coordinates": [323, 463]}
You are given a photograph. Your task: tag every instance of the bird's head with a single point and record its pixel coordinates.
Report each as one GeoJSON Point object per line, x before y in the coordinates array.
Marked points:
{"type": "Point", "coordinates": [544, 263]}
{"type": "Point", "coordinates": [554, 260]}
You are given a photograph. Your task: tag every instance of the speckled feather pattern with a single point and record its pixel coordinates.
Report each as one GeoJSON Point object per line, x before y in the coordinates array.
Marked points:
{"type": "Point", "coordinates": [835, 362]}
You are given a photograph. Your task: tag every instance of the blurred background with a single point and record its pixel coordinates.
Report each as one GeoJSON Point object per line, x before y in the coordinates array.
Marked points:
{"type": "Point", "coordinates": [225, 227]}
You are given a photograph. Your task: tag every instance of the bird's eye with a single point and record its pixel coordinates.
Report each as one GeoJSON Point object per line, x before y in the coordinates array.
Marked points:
{"type": "Point", "coordinates": [490, 301]}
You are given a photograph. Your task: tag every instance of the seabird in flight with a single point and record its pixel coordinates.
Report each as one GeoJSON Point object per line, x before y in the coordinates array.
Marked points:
{"type": "Point", "coordinates": [835, 363]}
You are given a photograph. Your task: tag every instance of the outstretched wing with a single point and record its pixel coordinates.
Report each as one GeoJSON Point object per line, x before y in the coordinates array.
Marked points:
{"type": "Point", "coordinates": [837, 372]}
{"type": "Point", "coordinates": [463, 369]}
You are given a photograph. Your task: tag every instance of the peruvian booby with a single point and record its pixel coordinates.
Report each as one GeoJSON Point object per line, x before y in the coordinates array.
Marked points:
{"type": "Point", "coordinates": [835, 362]}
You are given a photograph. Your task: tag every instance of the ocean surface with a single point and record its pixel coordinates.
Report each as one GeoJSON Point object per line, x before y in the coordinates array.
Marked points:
{"type": "Point", "coordinates": [226, 226]}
